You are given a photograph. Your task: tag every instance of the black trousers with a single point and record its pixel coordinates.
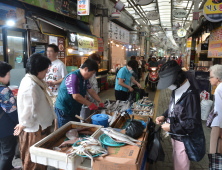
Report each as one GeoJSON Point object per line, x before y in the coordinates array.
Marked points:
{"type": "Point", "coordinates": [139, 73]}
{"type": "Point", "coordinates": [121, 95]}
{"type": "Point", "coordinates": [7, 152]}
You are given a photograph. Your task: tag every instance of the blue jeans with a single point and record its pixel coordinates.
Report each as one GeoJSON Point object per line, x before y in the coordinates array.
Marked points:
{"type": "Point", "coordinates": [63, 118]}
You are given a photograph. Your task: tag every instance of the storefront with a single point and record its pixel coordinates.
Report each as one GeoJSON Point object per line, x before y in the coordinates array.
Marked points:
{"type": "Point", "coordinates": [118, 45]}
{"type": "Point", "coordinates": [13, 41]}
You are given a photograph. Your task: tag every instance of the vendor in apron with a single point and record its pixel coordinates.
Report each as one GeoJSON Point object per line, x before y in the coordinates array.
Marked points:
{"type": "Point", "coordinates": [72, 93]}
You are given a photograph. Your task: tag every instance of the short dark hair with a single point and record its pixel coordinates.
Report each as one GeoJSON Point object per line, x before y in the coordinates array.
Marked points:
{"type": "Point", "coordinates": [90, 64]}
{"type": "Point", "coordinates": [181, 76]}
{"type": "Point", "coordinates": [95, 57]}
{"type": "Point", "coordinates": [132, 63]}
{"type": "Point", "coordinates": [37, 63]}
{"type": "Point", "coordinates": [55, 47]}
{"type": "Point", "coordinates": [4, 68]}
{"type": "Point", "coordinates": [133, 57]}
{"type": "Point", "coordinates": [143, 57]}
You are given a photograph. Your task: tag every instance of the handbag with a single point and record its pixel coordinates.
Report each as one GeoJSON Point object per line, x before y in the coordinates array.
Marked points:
{"type": "Point", "coordinates": [210, 118]}
{"type": "Point", "coordinates": [155, 152]}
{"type": "Point", "coordinates": [215, 160]}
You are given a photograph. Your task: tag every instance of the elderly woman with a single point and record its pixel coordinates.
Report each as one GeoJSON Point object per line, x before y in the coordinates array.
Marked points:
{"type": "Point", "coordinates": [183, 117]}
{"type": "Point", "coordinates": [35, 109]}
{"type": "Point", "coordinates": [8, 119]}
{"type": "Point", "coordinates": [215, 80]}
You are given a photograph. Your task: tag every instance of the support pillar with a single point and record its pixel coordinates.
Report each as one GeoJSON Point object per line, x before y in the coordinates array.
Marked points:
{"type": "Point", "coordinates": [193, 43]}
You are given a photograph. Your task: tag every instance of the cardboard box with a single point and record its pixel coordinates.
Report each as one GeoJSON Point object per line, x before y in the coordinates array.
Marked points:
{"type": "Point", "coordinates": [42, 152]}
{"type": "Point", "coordinates": [122, 158]}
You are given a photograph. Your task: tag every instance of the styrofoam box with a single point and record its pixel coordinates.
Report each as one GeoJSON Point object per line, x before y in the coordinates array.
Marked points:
{"type": "Point", "coordinates": [57, 159]}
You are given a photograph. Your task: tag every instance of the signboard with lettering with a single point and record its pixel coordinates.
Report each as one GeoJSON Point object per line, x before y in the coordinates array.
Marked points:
{"type": "Point", "coordinates": [213, 10]}
{"type": "Point", "coordinates": [100, 44]}
{"type": "Point", "coordinates": [53, 40]}
{"type": "Point", "coordinates": [215, 44]}
{"type": "Point", "coordinates": [179, 13]}
{"type": "Point", "coordinates": [118, 33]}
{"type": "Point", "coordinates": [83, 7]}
{"type": "Point", "coordinates": [72, 40]}
{"type": "Point", "coordinates": [143, 2]}
{"type": "Point", "coordinates": [87, 43]}
{"type": "Point", "coordinates": [153, 15]}
{"type": "Point", "coordinates": [61, 45]}
{"type": "Point", "coordinates": [64, 7]}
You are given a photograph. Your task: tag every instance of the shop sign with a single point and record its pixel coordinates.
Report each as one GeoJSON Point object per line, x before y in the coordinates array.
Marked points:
{"type": "Point", "coordinates": [179, 13]}
{"type": "Point", "coordinates": [61, 45]}
{"type": "Point", "coordinates": [181, 32]}
{"type": "Point", "coordinates": [143, 2]}
{"type": "Point", "coordinates": [72, 40]}
{"type": "Point", "coordinates": [215, 43]}
{"type": "Point", "coordinates": [83, 7]}
{"type": "Point", "coordinates": [213, 10]}
{"type": "Point", "coordinates": [118, 33]}
{"type": "Point", "coordinates": [100, 44]}
{"type": "Point", "coordinates": [64, 7]}
{"type": "Point", "coordinates": [7, 12]}
{"type": "Point", "coordinates": [87, 44]}
{"type": "Point", "coordinates": [195, 15]}
{"type": "Point", "coordinates": [153, 15]}
{"type": "Point", "coordinates": [53, 40]}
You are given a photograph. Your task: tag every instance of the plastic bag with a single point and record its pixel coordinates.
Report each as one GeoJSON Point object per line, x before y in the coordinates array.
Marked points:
{"type": "Point", "coordinates": [134, 129]}
{"type": "Point", "coordinates": [205, 108]}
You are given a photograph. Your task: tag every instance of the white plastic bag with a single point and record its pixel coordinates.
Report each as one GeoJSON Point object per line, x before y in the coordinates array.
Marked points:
{"type": "Point", "coordinates": [205, 108]}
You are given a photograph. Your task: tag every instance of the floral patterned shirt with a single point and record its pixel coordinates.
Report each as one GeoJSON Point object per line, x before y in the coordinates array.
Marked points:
{"type": "Point", "coordinates": [7, 100]}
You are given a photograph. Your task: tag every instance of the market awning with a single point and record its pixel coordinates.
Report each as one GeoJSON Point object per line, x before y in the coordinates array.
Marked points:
{"type": "Point", "coordinates": [78, 26]}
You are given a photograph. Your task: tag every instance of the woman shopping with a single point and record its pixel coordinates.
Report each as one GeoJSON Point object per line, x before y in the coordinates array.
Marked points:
{"type": "Point", "coordinates": [8, 119]}
{"type": "Point", "coordinates": [215, 80]}
{"type": "Point", "coordinates": [183, 116]}
{"type": "Point", "coordinates": [123, 79]}
{"type": "Point", "coordinates": [35, 109]}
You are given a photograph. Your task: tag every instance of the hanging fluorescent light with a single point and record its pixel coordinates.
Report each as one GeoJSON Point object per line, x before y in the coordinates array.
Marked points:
{"type": "Point", "coordinates": [10, 22]}
{"type": "Point", "coordinates": [81, 53]}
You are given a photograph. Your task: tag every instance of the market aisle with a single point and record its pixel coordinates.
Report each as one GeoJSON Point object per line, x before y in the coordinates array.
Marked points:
{"type": "Point", "coordinates": [163, 103]}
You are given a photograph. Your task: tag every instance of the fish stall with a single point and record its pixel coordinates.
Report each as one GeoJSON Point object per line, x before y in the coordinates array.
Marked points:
{"type": "Point", "coordinates": [112, 138]}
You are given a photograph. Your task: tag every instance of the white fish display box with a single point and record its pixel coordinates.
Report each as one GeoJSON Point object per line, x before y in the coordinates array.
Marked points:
{"type": "Point", "coordinates": [42, 152]}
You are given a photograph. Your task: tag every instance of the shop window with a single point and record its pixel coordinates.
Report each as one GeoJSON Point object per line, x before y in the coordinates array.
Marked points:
{"type": "Point", "coordinates": [15, 43]}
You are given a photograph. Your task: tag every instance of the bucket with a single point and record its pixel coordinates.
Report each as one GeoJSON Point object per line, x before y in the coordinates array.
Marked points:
{"type": "Point", "coordinates": [100, 119]}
